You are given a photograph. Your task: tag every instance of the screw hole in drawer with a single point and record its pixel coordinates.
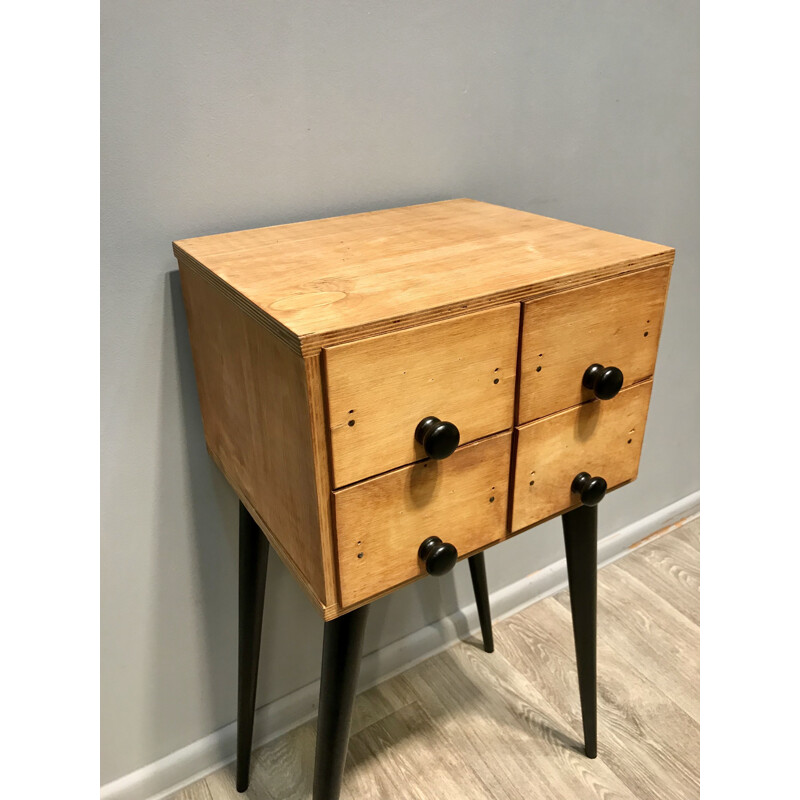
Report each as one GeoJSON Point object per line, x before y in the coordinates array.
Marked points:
{"type": "Point", "coordinates": [351, 423]}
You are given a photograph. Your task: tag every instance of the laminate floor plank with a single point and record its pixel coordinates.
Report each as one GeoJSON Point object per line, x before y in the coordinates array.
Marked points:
{"type": "Point", "coordinates": [643, 735]}
{"type": "Point", "coordinates": [533, 734]}
{"type": "Point", "coordinates": [283, 768]}
{"type": "Point", "coordinates": [469, 725]}
{"type": "Point", "coordinates": [389, 758]}
{"type": "Point", "coordinates": [197, 791]}
{"type": "Point", "coordinates": [671, 568]}
{"type": "Point", "coordinates": [649, 633]}
{"type": "Point", "coordinates": [688, 533]}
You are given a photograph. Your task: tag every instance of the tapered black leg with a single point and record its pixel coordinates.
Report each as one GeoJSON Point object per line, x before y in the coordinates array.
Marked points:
{"type": "Point", "coordinates": [477, 569]}
{"type": "Point", "coordinates": [341, 660]}
{"type": "Point", "coordinates": [253, 553]}
{"type": "Point", "coordinates": [580, 541]}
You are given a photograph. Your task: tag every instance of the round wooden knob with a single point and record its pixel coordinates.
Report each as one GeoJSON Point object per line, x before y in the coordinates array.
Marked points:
{"type": "Point", "coordinates": [592, 490]}
{"type": "Point", "coordinates": [439, 557]}
{"type": "Point", "coordinates": [438, 439]}
{"type": "Point", "coordinates": [605, 382]}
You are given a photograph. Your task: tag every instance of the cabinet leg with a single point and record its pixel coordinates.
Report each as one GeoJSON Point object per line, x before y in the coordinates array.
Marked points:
{"type": "Point", "coordinates": [477, 569]}
{"type": "Point", "coordinates": [580, 541]}
{"type": "Point", "coordinates": [253, 553]}
{"type": "Point", "coordinates": [341, 660]}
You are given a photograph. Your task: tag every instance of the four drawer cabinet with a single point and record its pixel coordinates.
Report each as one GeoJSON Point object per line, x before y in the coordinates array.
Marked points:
{"type": "Point", "coordinates": [394, 391]}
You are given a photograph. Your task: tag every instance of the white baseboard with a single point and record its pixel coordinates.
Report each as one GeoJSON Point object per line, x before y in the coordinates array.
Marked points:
{"type": "Point", "coordinates": [167, 775]}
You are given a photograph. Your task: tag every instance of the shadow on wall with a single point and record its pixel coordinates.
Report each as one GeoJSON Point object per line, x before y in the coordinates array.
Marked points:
{"type": "Point", "coordinates": [292, 631]}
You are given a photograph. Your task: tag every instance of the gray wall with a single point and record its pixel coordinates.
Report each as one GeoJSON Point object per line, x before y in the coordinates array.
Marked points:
{"type": "Point", "coordinates": [220, 116]}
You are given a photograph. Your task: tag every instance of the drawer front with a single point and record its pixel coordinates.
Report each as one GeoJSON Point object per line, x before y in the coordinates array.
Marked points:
{"type": "Point", "coordinates": [614, 323]}
{"type": "Point", "coordinates": [461, 370]}
{"type": "Point", "coordinates": [602, 438]}
{"type": "Point", "coordinates": [381, 523]}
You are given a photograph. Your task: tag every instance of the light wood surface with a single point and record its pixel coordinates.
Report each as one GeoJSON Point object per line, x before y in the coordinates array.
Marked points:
{"type": "Point", "coordinates": [462, 370]}
{"type": "Point", "coordinates": [318, 429]}
{"type": "Point", "coordinates": [328, 281]}
{"type": "Point", "coordinates": [319, 346]}
{"type": "Point", "coordinates": [466, 724]}
{"type": "Point", "coordinates": [257, 418]}
{"type": "Point", "coordinates": [603, 437]}
{"type": "Point", "coordinates": [647, 630]}
{"type": "Point", "coordinates": [381, 522]}
{"type": "Point", "coordinates": [616, 323]}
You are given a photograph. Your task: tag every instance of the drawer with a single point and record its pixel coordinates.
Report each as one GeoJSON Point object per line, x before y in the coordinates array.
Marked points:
{"type": "Point", "coordinates": [460, 370]}
{"type": "Point", "coordinates": [614, 323]}
{"type": "Point", "coordinates": [602, 438]}
{"type": "Point", "coordinates": [381, 522]}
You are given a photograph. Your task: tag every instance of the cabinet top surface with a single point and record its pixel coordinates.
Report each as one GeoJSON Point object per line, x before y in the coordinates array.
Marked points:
{"type": "Point", "coordinates": [331, 280]}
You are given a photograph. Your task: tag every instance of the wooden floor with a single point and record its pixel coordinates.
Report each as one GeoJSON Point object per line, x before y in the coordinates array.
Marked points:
{"type": "Point", "coordinates": [466, 724]}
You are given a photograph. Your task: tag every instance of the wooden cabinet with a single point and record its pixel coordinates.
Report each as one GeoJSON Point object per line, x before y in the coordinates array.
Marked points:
{"type": "Point", "coordinates": [320, 346]}
{"type": "Point", "coordinates": [393, 391]}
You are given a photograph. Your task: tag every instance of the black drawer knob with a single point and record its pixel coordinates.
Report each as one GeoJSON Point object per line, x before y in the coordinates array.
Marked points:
{"type": "Point", "coordinates": [605, 382]}
{"type": "Point", "coordinates": [592, 490]}
{"type": "Point", "coordinates": [439, 439]}
{"type": "Point", "coordinates": [439, 557]}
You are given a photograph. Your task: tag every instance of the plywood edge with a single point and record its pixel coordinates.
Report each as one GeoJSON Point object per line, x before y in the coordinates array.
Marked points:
{"type": "Point", "coordinates": [320, 443]}
{"type": "Point", "coordinates": [666, 266]}
{"type": "Point", "coordinates": [244, 304]}
{"type": "Point", "coordinates": [311, 343]}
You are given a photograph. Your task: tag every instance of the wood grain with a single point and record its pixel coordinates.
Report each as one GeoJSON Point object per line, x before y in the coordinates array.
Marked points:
{"type": "Point", "coordinates": [197, 791]}
{"type": "Point", "coordinates": [690, 534]}
{"type": "Point", "coordinates": [395, 747]}
{"type": "Point", "coordinates": [257, 418]}
{"type": "Point", "coordinates": [503, 731]}
{"type": "Point", "coordinates": [645, 738]}
{"type": "Point", "coordinates": [507, 725]}
{"type": "Point", "coordinates": [328, 281]}
{"type": "Point", "coordinates": [318, 429]}
{"type": "Point", "coordinates": [614, 323]}
{"type": "Point", "coordinates": [461, 370]}
{"type": "Point", "coordinates": [381, 522]}
{"type": "Point", "coordinates": [653, 636]}
{"type": "Point", "coordinates": [669, 567]}
{"type": "Point", "coordinates": [603, 437]}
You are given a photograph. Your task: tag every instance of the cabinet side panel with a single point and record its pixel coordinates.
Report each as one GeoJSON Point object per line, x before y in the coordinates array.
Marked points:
{"type": "Point", "coordinates": [257, 422]}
